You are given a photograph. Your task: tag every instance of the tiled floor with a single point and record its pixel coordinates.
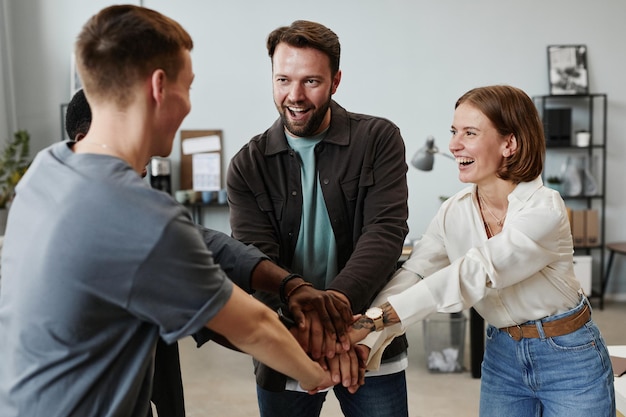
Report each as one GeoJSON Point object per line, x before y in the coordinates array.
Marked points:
{"type": "Point", "coordinates": [219, 382]}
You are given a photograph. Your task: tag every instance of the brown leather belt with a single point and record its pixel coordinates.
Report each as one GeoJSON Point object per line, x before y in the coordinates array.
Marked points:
{"type": "Point", "coordinates": [553, 328]}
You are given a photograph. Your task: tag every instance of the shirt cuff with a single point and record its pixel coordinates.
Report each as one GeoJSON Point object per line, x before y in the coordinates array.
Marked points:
{"type": "Point", "coordinates": [414, 304]}
{"type": "Point", "coordinates": [377, 342]}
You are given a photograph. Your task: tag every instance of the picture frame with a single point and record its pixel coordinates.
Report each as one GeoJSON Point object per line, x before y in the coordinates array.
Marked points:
{"type": "Point", "coordinates": [199, 143]}
{"type": "Point", "coordinates": [567, 70]}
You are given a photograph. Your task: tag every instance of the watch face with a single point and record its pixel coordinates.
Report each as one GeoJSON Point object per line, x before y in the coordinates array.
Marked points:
{"type": "Point", "coordinates": [374, 313]}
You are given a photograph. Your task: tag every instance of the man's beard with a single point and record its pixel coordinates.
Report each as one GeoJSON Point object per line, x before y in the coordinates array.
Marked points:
{"type": "Point", "coordinates": [310, 128]}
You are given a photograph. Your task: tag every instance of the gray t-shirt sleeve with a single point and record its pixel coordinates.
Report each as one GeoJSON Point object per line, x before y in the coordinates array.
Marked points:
{"type": "Point", "coordinates": [179, 287]}
{"type": "Point", "coordinates": [235, 258]}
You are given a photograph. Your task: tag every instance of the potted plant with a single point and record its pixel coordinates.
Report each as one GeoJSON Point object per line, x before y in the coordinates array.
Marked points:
{"type": "Point", "coordinates": [14, 162]}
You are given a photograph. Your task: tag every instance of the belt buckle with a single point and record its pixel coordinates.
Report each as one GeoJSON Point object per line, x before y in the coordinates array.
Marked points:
{"type": "Point", "coordinates": [518, 337]}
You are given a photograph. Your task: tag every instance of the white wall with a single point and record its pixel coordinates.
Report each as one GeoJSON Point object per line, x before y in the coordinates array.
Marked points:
{"type": "Point", "coordinates": [407, 60]}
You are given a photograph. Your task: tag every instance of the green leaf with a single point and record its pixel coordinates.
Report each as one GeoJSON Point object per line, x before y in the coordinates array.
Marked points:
{"type": "Point", "coordinates": [14, 161]}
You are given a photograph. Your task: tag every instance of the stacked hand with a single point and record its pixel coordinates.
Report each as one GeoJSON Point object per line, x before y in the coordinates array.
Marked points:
{"type": "Point", "coordinates": [323, 320]}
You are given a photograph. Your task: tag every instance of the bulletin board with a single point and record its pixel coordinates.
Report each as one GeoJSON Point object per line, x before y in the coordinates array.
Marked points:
{"type": "Point", "coordinates": [202, 149]}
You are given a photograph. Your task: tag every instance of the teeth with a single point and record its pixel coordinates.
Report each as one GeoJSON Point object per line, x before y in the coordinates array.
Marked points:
{"type": "Point", "coordinates": [296, 109]}
{"type": "Point", "coordinates": [463, 161]}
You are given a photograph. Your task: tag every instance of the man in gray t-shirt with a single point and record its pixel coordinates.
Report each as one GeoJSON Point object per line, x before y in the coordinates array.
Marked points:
{"type": "Point", "coordinates": [97, 265]}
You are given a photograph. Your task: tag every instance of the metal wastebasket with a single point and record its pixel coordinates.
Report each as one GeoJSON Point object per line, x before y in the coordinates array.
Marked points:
{"type": "Point", "coordinates": [444, 342]}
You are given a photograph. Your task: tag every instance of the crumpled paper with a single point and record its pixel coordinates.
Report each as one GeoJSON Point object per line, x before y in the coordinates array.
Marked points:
{"type": "Point", "coordinates": [444, 361]}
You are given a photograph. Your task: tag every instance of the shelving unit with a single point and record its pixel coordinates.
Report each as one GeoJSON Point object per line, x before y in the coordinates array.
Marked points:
{"type": "Point", "coordinates": [198, 208]}
{"type": "Point", "coordinates": [588, 113]}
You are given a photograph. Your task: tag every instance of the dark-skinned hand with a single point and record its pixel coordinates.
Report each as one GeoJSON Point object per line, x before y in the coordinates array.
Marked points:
{"type": "Point", "coordinates": [322, 318]}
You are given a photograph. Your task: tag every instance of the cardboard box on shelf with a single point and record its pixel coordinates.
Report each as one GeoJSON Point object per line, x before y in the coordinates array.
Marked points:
{"type": "Point", "coordinates": [578, 228]}
{"type": "Point", "coordinates": [591, 228]}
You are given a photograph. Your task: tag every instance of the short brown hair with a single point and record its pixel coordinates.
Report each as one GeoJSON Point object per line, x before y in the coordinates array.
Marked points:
{"type": "Point", "coordinates": [305, 34]}
{"type": "Point", "coordinates": [122, 44]}
{"type": "Point", "coordinates": [512, 112]}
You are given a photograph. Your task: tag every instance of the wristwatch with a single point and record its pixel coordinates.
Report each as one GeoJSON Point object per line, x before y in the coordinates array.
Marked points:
{"type": "Point", "coordinates": [285, 318]}
{"type": "Point", "coordinates": [376, 315]}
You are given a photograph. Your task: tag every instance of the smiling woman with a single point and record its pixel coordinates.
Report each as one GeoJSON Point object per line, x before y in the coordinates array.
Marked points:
{"type": "Point", "coordinates": [503, 245]}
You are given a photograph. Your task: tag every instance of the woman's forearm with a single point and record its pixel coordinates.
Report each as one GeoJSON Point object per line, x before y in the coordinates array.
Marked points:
{"type": "Point", "coordinates": [365, 325]}
{"type": "Point", "coordinates": [408, 306]}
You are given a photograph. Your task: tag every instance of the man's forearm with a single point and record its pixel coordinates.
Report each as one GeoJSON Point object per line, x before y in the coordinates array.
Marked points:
{"type": "Point", "coordinates": [333, 313]}
{"type": "Point", "coordinates": [267, 276]}
{"type": "Point", "coordinates": [266, 339]}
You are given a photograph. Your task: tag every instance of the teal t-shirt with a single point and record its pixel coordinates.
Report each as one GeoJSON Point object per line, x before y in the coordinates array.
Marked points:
{"type": "Point", "coordinates": [316, 250]}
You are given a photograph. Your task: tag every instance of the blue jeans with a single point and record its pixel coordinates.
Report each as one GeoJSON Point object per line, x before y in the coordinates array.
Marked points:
{"type": "Point", "coordinates": [381, 396]}
{"type": "Point", "coordinates": [568, 375]}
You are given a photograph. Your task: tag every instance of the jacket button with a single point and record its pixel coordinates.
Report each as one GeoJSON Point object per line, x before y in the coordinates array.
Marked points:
{"type": "Point", "coordinates": [294, 193]}
{"type": "Point", "coordinates": [326, 181]}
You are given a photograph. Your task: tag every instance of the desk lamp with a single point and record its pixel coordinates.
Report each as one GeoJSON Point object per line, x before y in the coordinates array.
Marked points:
{"type": "Point", "coordinates": [425, 156]}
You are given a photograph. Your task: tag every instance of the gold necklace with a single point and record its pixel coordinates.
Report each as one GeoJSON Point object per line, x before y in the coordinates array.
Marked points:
{"type": "Point", "coordinates": [499, 222]}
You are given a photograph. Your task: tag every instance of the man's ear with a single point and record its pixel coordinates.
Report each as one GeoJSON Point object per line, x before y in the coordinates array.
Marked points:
{"type": "Point", "coordinates": [336, 81]}
{"type": "Point", "coordinates": [157, 84]}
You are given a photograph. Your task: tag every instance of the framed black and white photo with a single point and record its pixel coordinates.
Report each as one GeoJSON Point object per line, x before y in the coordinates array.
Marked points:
{"type": "Point", "coordinates": [567, 70]}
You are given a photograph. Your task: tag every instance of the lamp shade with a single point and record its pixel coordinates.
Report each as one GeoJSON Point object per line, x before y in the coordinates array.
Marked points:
{"type": "Point", "coordinates": [424, 158]}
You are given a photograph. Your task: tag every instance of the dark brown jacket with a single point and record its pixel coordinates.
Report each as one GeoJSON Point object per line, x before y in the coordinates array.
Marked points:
{"type": "Point", "coordinates": [362, 172]}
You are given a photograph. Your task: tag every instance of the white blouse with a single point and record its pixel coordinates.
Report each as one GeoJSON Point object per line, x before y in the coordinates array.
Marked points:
{"type": "Point", "coordinates": [523, 273]}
